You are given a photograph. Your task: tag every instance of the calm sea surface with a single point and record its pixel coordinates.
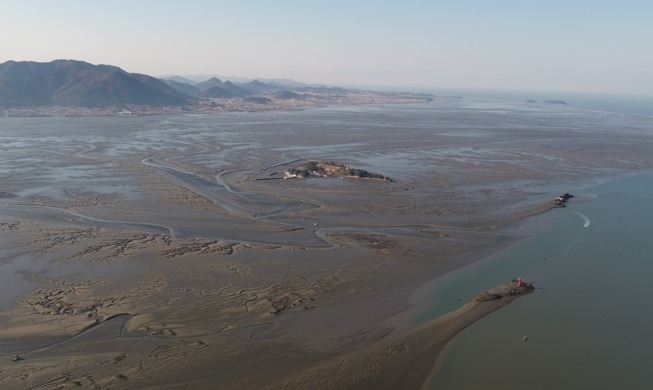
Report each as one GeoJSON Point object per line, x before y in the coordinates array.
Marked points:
{"type": "Point", "coordinates": [589, 324]}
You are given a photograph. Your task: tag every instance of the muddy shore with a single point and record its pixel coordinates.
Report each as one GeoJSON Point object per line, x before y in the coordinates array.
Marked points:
{"type": "Point", "coordinates": [144, 252]}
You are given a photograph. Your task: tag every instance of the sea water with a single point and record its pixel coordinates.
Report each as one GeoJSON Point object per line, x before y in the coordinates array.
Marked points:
{"type": "Point", "coordinates": [589, 324]}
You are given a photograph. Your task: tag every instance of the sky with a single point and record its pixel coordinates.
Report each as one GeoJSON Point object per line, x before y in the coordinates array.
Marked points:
{"type": "Point", "coordinates": [568, 46]}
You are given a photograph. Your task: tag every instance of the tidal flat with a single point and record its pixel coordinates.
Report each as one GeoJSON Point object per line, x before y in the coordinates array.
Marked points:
{"type": "Point", "coordinates": [169, 252]}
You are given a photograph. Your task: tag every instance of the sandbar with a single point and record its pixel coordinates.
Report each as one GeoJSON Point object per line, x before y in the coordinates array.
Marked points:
{"type": "Point", "coordinates": [146, 253]}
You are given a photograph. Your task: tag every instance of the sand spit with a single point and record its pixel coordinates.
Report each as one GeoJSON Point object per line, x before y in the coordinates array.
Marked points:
{"type": "Point", "coordinates": [144, 253]}
{"type": "Point", "coordinates": [150, 309]}
{"type": "Point", "coordinates": [407, 360]}
{"type": "Point", "coordinates": [109, 353]}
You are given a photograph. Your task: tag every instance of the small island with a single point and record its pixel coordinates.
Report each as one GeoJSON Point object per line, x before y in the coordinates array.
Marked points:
{"type": "Point", "coordinates": [510, 288]}
{"type": "Point", "coordinates": [415, 353]}
{"type": "Point", "coordinates": [314, 168]}
{"type": "Point", "coordinates": [561, 201]}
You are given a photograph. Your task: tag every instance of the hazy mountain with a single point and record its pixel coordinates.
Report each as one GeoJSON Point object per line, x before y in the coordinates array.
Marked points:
{"type": "Point", "coordinates": [184, 88]}
{"type": "Point", "coordinates": [178, 79]}
{"type": "Point", "coordinates": [78, 83]}
{"type": "Point", "coordinates": [217, 92]}
{"type": "Point", "coordinates": [258, 86]}
{"type": "Point", "coordinates": [242, 81]}
{"type": "Point", "coordinates": [215, 88]}
{"type": "Point", "coordinates": [323, 89]}
{"type": "Point", "coordinates": [209, 83]}
{"type": "Point", "coordinates": [236, 90]}
{"type": "Point", "coordinates": [287, 95]}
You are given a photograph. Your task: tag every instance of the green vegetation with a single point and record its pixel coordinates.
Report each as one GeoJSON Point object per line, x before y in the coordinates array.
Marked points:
{"type": "Point", "coordinates": [319, 168]}
{"type": "Point", "coordinates": [344, 171]}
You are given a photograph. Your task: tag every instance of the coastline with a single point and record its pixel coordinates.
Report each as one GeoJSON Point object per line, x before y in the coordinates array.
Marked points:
{"type": "Point", "coordinates": [240, 294]}
{"type": "Point", "coordinates": [494, 347]}
{"type": "Point", "coordinates": [405, 361]}
{"type": "Point", "coordinates": [391, 349]}
{"type": "Point", "coordinates": [224, 105]}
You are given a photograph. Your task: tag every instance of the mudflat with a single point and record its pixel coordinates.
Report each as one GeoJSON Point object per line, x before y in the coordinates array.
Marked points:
{"type": "Point", "coordinates": [143, 252]}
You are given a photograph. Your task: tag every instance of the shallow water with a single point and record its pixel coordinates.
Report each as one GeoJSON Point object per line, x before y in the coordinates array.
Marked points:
{"type": "Point", "coordinates": [13, 285]}
{"type": "Point", "coordinates": [452, 162]}
{"type": "Point", "coordinates": [588, 324]}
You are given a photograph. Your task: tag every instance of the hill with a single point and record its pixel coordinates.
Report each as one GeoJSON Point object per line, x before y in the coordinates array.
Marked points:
{"type": "Point", "coordinates": [259, 86]}
{"type": "Point", "coordinates": [77, 88]}
{"type": "Point", "coordinates": [215, 88]}
{"type": "Point", "coordinates": [78, 83]}
{"type": "Point", "coordinates": [183, 87]}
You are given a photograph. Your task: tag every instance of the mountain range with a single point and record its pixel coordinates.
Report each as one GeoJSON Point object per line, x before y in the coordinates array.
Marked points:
{"type": "Point", "coordinates": [80, 84]}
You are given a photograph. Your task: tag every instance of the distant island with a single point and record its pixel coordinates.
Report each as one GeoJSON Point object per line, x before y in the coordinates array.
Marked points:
{"type": "Point", "coordinates": [562, 102]}
{"type": "Point", "coordinates": [77, 88]}
{"type": "Point", "coordinates": [314, 168]}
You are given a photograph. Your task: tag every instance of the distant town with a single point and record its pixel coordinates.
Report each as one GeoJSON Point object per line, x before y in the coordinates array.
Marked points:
{"type": "Point", "coordinates": [214, 105]}
{"type": "Point", "coordinates": [77, 88]}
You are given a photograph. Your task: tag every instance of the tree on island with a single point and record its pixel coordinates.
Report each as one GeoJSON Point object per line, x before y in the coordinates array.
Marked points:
{"type": "Point", "coordinates": [319, 168]}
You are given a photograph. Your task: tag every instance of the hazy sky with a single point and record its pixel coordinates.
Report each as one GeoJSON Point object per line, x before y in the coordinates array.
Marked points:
{"type": "Point", "coordinates": [572, 45]}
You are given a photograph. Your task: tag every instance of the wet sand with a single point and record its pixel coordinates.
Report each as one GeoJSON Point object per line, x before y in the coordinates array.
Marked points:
{"type": "Point", "coordinates": [147, 254]}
